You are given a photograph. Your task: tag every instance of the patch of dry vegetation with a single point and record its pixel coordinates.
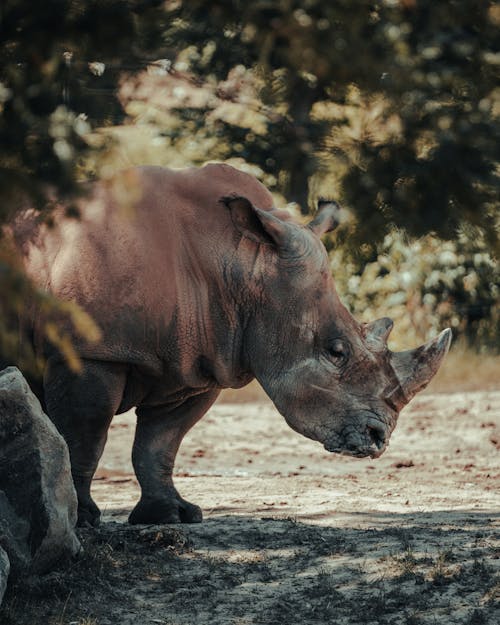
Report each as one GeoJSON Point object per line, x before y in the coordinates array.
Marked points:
{"type": "Point", "coordinates": [465, 370]}
{"type": "Point", "coordinates": [99, 580]}
{"type": "Point", "coordinates": [272, 572]}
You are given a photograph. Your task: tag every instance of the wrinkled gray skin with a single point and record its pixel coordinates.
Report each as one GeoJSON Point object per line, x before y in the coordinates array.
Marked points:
{"type": "Point", "coordinates": [198, 285]}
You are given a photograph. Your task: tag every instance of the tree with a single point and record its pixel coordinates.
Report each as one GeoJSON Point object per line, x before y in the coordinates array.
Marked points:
{"type": "Point", "coordinates": [51, 57]}
{"type": "Point", "coordinates": [431, 69]}
{"type": "Point", "coordinates": [59, 65]}
{"type": "Point", "coordinates": [390, 104]}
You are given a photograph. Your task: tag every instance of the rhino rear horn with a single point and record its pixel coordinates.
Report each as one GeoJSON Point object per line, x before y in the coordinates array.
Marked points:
{"type": "Point", "coordinates": [416, 368]}
{"type": "Point", "coordinates": [377, 332]}
{"type": "Point", "coordinates": [328, 217]}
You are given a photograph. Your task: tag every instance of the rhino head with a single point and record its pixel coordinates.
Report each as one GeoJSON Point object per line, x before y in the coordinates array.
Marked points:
{"type": "Point", "coordinates": [332, 378]}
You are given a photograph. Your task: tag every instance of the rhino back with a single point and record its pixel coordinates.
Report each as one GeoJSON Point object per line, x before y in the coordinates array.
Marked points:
{"type": "Point", "coordinates": [145, 253]}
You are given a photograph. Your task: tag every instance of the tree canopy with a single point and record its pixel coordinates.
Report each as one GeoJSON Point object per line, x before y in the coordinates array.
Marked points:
{"type": "Point", "coordinates": [391, 106]}
{"type": "Point", "coordinates": [426, 72]}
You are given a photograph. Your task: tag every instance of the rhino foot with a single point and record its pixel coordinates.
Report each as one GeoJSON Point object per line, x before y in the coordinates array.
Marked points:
{"type": "Point", "coordinates": [174, 510]}
{"type": "Point", "coordinates": [88, 514]}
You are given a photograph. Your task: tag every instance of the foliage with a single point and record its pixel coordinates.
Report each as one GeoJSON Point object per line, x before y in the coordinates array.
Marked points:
{"type": "Point", "coordinates": [424, 286]}
{"type": "Point", "coordinates": [428, 70]}
{"type": "Point", "coordinates": [434, 66]}
{"type": "Point", "coordinates": [391, 105]}
{"type": "Point", "coordinates": [51, 316]}
{"type": "Point", "coordinates": [51, 57]}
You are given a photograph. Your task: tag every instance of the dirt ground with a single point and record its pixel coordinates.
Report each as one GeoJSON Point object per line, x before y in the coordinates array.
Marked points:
{"type": "Point", "coordinates": [294, 535]}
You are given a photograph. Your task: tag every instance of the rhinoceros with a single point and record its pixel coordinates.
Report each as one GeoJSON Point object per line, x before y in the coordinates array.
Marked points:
{"type": "Point", "coordinates": [197, 285]}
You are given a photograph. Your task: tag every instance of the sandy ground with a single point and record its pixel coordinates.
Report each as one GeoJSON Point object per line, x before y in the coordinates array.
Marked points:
{"type": "Point", "coordinates": [243, 459]}
{"type": "Point", "coordinates": [295, 535]}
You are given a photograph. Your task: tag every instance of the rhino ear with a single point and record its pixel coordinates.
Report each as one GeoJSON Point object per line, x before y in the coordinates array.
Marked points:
{"type": "Point", "coordinates": [377, 332]}
{"type": "Point", "coordinates": [256, 224]}
{"type": "Point", "coordinates": [328, 217]}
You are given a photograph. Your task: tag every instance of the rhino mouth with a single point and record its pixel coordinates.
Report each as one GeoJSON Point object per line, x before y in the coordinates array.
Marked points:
{"type": "Point", "coordinates": [360, 452]}
{"type": "Point", "coordinates": [371, 440]}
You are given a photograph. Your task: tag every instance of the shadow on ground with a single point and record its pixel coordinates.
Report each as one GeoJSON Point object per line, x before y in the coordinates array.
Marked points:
{"type": "Point", "coordinates": [430, 567]}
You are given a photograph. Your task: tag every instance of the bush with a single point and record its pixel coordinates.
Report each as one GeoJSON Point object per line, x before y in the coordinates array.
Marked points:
{"type": "Point", "coordinates": [425, 286]}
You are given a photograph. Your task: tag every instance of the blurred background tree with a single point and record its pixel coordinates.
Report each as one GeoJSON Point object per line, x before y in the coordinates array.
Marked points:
{"type": "Point", "coordinates": [424, 75]}
{"type": "Point", "coordinates": [53, 89]}
{"type": "Point", "coordinates": [390, 105]}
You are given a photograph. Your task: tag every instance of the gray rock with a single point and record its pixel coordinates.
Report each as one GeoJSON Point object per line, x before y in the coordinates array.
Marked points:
{"type": "Point", "coordinates": [38, 505]}
{"type": "Point", "coordinates": [4, 572]}
{"type": "Point", "coordinates": [14, 536]}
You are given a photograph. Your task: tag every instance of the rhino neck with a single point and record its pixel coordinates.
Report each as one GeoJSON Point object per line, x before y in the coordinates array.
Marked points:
{"type": "Point", "coordinates": [209, 324]}
{"type": "Point", "coordinates": [240, 284]}
{"type": "Point", "coordinates": [255, 287]}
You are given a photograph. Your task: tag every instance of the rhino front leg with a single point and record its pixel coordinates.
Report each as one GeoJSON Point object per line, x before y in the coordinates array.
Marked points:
{"type": "Point", "coordinates": [82, 406]}
{"type": "Point", "coordinates": [159, 432]}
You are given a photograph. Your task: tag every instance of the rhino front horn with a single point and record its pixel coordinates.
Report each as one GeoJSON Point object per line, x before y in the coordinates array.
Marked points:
{"type": "Point", "coordinates": [416, 368]}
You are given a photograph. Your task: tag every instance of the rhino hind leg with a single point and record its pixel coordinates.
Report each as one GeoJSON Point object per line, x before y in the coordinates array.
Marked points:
{"type": "Point", "coordinates": [159, 432]}
{"type": "Point", "coordinates": [82, 406]}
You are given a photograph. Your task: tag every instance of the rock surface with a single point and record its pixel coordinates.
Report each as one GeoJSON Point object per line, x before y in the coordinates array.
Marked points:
{"type": "Point", "coordinates": [4, 572]}
{"type": "Point", "coordinates": [38, 506]}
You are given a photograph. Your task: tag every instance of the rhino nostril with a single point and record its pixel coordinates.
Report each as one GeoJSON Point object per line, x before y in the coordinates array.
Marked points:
{"type": "Point", "coordinates": [377, 435]}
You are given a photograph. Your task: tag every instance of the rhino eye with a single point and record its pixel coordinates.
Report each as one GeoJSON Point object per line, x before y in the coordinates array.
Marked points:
{"type": "Point", "coordinates": [338, 351]}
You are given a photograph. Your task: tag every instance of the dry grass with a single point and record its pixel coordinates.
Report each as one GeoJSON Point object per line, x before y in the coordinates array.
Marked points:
{"type": "Point", "coordinates": [466, 370]}
{"type": "Point", "coordinates": [347, 543]}
{"type": "Point", "coordinates": [292, 573]}
{"type": "Point", "coordinates": [463, 370]}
